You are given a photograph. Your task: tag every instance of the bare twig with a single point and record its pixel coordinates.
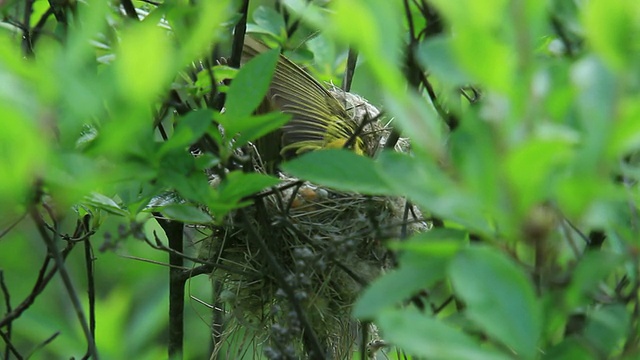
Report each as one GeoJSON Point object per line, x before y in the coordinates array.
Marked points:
{"type": "Point", "coordinates": [37, 29]}
{"type": "Point", "coordinates": [7, 302]}
{"type": "Point", "coordinates": [6, 231]}
{"type": "Point", "coordinates": [41, 282]}
{"type": "Point", "coordinates": [6, 337]}
{"type": "Point", "coordinates": [66, 279]}
{"type": "Point", "coordinates": [44, 343]}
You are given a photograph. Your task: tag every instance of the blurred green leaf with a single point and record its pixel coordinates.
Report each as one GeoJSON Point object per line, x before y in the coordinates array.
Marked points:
{"type": "Point", "coordinates": [249, 88]}
{"type": "Point", "coordinates": [340, 169]}
{"type": "Point", "coordinates": [424, 183]}
{"type": "Point", "coordinates": [423, 264]}
{"type": "Point", "coordinates": [252, 127]}
{"type": "Point", "coordinates": [612, 28]}
{"type": "Point", "coordinates": [570, 348]}
{"type": "Point", "coordinates": [136, 76]}
{"type": "Point", "coordinates": [436, 56]}
{"type": "Point", "coordinates": [499, 298]}
{"type": "Point", "coordinates": [418, 117]}
{"type": "Point", "coordinates": [625, 137]}
{"type": "Point", "coordinates": [238, 184]}
{"type": "Point", "coordinates": [371, 26]}
{"type": "Point", "coordinates": [423, 336]}
{"type": "Point", "coordinates": [606, 328]}
{"type": "Point", "coordinates": [105, 203]}
{"type": "Point", "coordinates": [531, 168]}
{"type": "Point", "coordinates": [189, 129]}
{"type": "Point", "coordinates": [270, 20]}
{"type": "Point", "coordinates": [480, 40]}
{"type": "Point", "coordinates": [186, 213]}
{"type": "Point", "coordinates": [592, 268]}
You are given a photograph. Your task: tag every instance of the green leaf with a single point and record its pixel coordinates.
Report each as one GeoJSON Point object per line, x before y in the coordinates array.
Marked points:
{"type": "Point", "coordinates": [270, 20]}
{"type": "Point", "coordinates": [436, 56]}
{"type": "Point", "coordinates": [607, 327]}
{"type": "Point", "coordinates": [250, 85]}
{"type": "Point", "coordinates": [422, 336]}
{"type": "Point", "coordinates": [339, 169]}
{"type": "Point", "coordinates": [252, 127]}
{"type": "Point", "coordinates": [139, 79]}
{"type": "Point", "coordinates": [189, 129]}
{"type": "Point", "coordinates": [593, 268]}
{"type": "Point", "coordinates": [423, 263]}
{"type": "Point", "coordinates": [570, 348]}
{"type": "Point", "coordinates": [531, 168]}
{"type": "Point", "coordinates": [105, 203]}
{"type": "Point", "coordinates": [186, 213]}
{"type": "Point", "coordinates": [238, 185]}
{"type": "Point", "coordinates": [419, 119]}
{"type": "Point", "coordinates": [219, 73]}
{"type": "Point", "coordinates": [437, 242]}
{"type": "Point", "coordinates": [479, 42]}
{"type": "Point", "coordinates": [499, 297]}
{"type": "Point", "coordinates": [425, 184]}
{"type": "Point", "coordinates": [611, 29]}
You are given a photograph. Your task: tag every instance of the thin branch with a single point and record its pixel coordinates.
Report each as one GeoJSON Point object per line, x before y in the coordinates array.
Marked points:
{"type": "Point", "coordinates": [6, 231]}
{"type": "Point", "coordinates": [91, 287]}
{"type": "Point", "coordinates": [7, 302]}
{"type": "Point", "coordinates": [46, 342]}
{"type": "Point", "coordinates": [6, 337]}
{"type": "Point", "coordinates": [66, 279]}
{"type": "Point", "coordinates": [42, 280]}
{"type": "Point", "coordinates": [159, 246]}
{"type": "Point", "coordinates": [37, 29]}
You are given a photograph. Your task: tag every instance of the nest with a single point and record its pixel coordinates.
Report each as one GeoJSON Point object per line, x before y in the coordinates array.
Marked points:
{"type": "Point", "coordinates": [328, 245]}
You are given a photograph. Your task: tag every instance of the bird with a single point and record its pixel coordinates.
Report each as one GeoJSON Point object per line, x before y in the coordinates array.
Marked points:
{"type": "Point", "coordinates": [318, 119]}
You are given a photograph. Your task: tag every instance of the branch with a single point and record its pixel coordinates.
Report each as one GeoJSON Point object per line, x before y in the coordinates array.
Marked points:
{"type": "Point", "coordinates": [10, 348]}
{"type": "Point", "coordinates": [174, 232]}
{"type": "Point", "coordinates": [129, 9]}
{"type": "Point", "coordinates": [27, 46]}
{"type": "Point", "coordinates": [238, 36]}
{"type": "Point", "coordinates": [66, 279]}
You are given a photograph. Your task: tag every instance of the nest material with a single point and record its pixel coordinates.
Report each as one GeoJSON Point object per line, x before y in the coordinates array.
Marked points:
{"type": "Point", "coordinates": [329, 243]}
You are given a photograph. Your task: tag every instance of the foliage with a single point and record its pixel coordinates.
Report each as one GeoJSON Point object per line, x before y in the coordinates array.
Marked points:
{"type": "Point", "coordinates": [523, 122]}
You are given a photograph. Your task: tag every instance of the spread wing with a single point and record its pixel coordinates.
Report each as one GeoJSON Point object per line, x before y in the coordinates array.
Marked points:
{"type": "Point", "coordinates": [318, 119]}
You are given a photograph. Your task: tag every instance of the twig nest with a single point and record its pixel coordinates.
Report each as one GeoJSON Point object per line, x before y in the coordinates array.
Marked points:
{"type": "Point", "coordinates": [330, 244]}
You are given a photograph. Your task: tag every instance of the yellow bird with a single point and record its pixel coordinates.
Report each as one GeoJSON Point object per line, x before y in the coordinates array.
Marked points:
{"type": "Point", "coordinates": [319, 120]}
